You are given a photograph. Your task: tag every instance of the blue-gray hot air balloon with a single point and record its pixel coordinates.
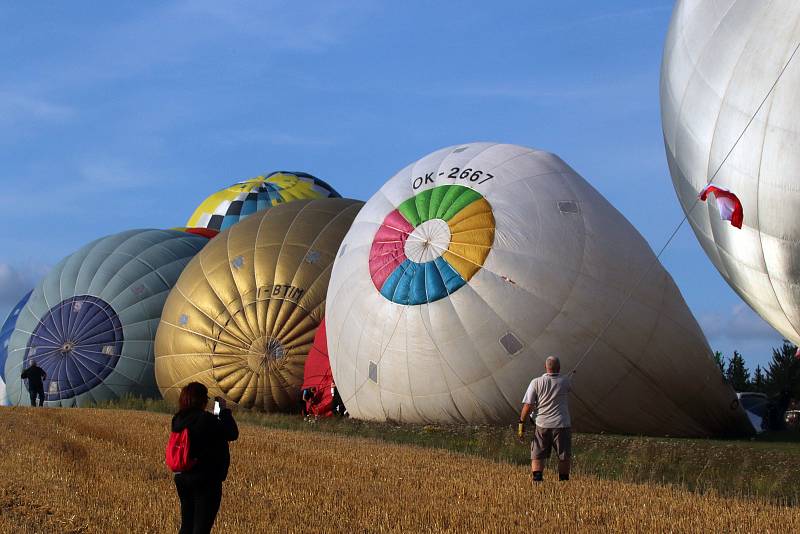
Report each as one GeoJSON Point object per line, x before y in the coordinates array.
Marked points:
{"type": "Point", "coordinates": [90, 323]}
{"type": "Point", "coordinates": [5, 337]}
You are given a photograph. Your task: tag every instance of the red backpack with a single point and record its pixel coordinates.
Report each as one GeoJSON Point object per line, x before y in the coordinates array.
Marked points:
{"type": "Point", "coordinates": [177, 453]}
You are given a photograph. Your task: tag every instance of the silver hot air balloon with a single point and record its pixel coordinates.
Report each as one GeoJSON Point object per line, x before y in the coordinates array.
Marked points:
{"type": "Point", "coordinates": [721, 59]}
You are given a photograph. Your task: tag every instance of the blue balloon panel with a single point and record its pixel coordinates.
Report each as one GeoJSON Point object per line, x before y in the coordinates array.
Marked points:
{"type": "Point", "coordinates": [7, 330]}
{"type": "Point", "coordinates": [77, 343]}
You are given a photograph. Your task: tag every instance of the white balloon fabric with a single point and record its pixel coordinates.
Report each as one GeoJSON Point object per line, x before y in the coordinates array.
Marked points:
{"type": "Point", "coordinates": [472, 265]}
{"type": "Point", "coordinates": [720, 60]}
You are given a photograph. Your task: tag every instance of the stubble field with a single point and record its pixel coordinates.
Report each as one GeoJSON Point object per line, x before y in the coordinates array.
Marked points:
{"type": "Point", "coordinates": [102, 471]}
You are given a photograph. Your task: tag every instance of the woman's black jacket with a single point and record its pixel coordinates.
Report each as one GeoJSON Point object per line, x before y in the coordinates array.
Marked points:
{"type": "Point", "coordinates": [209, 435]}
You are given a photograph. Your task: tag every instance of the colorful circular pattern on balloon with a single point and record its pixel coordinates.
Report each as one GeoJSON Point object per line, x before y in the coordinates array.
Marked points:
{"type": "Point", "coordinates": [431, 245]}
{"type": "Point", "coordinates": [77, 344]}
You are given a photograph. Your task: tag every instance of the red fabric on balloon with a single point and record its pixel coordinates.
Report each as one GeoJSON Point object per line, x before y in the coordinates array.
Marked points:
{"type": "Point", "coordinates": [317, 374]}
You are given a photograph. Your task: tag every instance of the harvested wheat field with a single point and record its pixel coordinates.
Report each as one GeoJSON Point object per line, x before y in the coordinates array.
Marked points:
{"type": "Point", "coordinates": [102, 471]}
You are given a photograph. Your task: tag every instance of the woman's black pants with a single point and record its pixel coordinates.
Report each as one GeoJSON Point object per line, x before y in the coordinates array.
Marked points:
{"type": "Point", "coordinates": [199, 504]}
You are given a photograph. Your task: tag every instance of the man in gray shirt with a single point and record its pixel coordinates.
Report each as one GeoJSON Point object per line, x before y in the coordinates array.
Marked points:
{"type": "Point", "coordinates": [548, 397]}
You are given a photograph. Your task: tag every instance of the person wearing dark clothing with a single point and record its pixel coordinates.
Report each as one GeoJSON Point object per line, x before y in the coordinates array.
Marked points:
{"type": "Point", "coordinates": [307, 398]}
{"type": "Point", "coordinates": [338, 405]}
{"type": "Point", "coordinates": [200, 488]}
{"type": "Point", "coordinates": [36, 377]}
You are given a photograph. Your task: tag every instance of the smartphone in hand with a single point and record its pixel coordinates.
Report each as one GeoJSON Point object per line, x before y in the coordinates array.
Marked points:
{"type": "Point", "coordinates": [219, 405]}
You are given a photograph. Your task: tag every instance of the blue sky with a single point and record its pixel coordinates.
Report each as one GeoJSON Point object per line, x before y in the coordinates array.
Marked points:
{"type": "Point", "coordinates": [127, 115]}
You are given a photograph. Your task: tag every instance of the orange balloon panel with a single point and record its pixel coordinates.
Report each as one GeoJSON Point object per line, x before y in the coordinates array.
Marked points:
{"type": "Point", "coordinates": [243, 315]}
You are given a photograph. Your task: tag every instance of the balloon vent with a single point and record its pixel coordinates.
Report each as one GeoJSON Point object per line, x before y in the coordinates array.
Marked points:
{"type": "Point", "coordinates": [341, 250]}
{"type": "Point", "coordinates": [568, 206]}
{"type": "Point", "coordinates": [264, 353]}
{"type": "Point", "coordinates": [511, 343]}
{"type": "Point", "coordinates": [461, 149]}
{"type": "Point", "coordinates": [373, 371]}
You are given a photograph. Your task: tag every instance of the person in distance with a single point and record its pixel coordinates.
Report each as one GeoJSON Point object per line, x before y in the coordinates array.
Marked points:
{"type": "Point", "coordinates": [36, 377]}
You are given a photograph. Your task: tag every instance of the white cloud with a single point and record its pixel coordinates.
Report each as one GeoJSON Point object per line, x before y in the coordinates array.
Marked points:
{"type": "Point", "coordinates": [85, 181]}
{"type": "Point", "coordinates": [185, 31]}
{"type": "Point", "coordinates": [164, 40]}
{"type": "Point", "coordinates": [110, 175]}
{"type": "Point", "coordinates": [17, 107]}
{"type": "Point", "coordinates": [741, 329]}
{"type": "Point", "coordinates": [309, 26]}
{"type": "Point", "coordinates": [15, 281]}
{"type": "Point", "coordinates": [738, 324]}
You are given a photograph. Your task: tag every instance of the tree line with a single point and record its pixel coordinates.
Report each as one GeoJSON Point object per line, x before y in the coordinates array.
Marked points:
{"type": "Point", "coordinates": [781, 377]}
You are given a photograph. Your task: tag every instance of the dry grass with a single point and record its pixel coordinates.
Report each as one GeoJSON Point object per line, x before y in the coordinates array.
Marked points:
{"type": "Point", "coordinates": [764, 468]}
{"type": "Point", "coordinates": [102, 471]}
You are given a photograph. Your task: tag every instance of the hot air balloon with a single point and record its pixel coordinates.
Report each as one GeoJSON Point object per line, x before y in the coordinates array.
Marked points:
{"type": "Point", "coordinates": [243, 314]}
{"type": "Point", "coordinates": [5, 337]}
{"type": "Point", "coordinates": [232, 204]}
{"type": "Point", "coordinates": [317, 376]}
{"type": "Point", "coordinates": [472, 265]}
{"type": "Point", "coordinates": [721, 60]}
{"type": "Point", "coordinates": [91, 321]}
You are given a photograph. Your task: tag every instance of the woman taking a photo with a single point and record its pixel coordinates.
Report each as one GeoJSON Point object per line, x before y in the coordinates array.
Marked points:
{"type": "Point", "coordinates": [200, 487]}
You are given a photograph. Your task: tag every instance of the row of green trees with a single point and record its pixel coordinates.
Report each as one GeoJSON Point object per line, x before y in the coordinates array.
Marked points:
{"type": "Point", "coordinates": [780, 377]}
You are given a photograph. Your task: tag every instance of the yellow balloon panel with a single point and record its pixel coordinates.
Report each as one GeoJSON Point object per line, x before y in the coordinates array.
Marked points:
{"type": "Point", "coordinates": [243, 315]}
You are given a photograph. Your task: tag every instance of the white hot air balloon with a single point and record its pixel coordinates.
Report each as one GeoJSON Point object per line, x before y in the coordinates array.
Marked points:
{"type": "Point", "coordinates": [721, 60]}
{"type": "Point", "coordinates": [472, 265]}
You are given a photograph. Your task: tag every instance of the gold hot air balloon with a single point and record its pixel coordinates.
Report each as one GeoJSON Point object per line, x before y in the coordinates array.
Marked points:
{"type": "Point", "coordinates": [243, 315]}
